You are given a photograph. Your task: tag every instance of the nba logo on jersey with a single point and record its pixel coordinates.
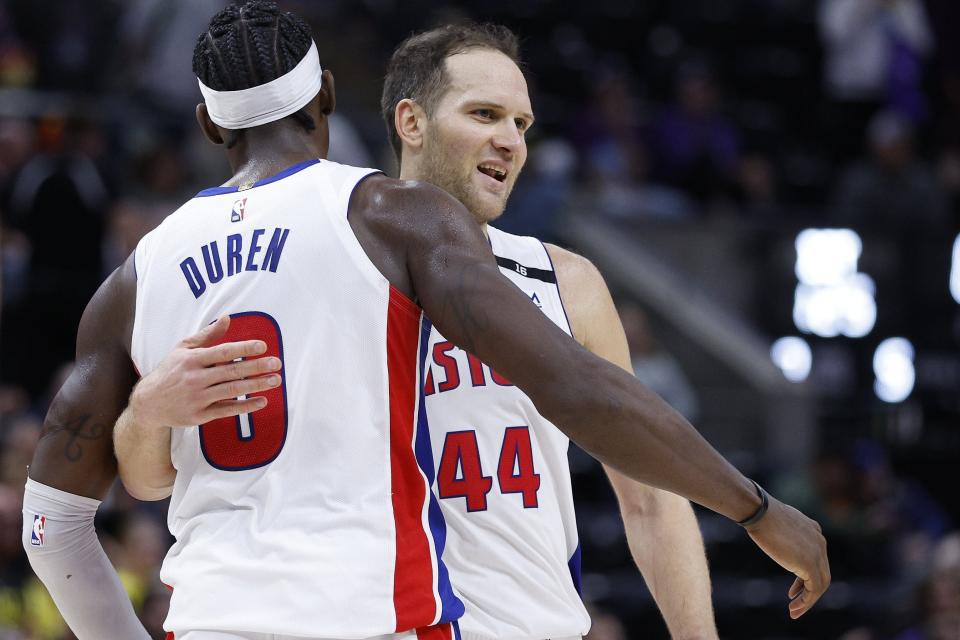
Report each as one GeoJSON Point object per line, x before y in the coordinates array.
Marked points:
{"type": "Point", "coordinates": [239, 207]}
{"type": "Point", "coordinates": [36, 537]}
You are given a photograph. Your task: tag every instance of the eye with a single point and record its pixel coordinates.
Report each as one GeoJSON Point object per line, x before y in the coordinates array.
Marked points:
{"type": "Point", "coordinates": [522, 124]}
{"type": "Point", "coordinates": [483, 114]}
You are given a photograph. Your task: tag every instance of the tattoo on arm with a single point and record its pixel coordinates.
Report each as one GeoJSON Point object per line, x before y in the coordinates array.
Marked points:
{"type": "Point", "coordinates": [79, 429]}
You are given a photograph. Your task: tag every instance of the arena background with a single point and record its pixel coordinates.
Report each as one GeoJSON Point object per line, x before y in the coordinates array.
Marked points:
{"type": "Point", "coordinates": [771, 188]}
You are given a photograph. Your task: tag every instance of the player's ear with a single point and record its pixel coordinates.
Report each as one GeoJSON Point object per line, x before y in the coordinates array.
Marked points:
{"type": "Point", "coordinates": [209, 129]}
{"type": "Point", "coordinates": [410, 120]}
{"type": "Point", "coordinates": [327, 94]}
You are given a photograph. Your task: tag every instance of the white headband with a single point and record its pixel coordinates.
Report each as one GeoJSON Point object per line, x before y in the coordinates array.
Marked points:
{"type": "Point", "coordinates": [266, 102]}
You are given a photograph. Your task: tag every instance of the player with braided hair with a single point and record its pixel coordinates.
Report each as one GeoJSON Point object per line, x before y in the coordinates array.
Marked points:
{"type": "Point", "coordinates": [368, 566]}
{"type": "Point", "coordinates": [249, 45]}
{"type": "Point", "coordinates": [289, 425]}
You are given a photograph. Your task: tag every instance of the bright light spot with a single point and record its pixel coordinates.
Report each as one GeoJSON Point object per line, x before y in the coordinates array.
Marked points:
{"type": "Point", "coordinates": [955, 271]}
{"type": "Point", "coordinates": [893, 366]}
{"type": "Point", "coordinates": [847, 307]}
{"type": "Point", "coordinates": [827, 257]}
{"type": "Point", "coordinates": [793, 356]}
{"type": "Point", "coordinates": [860, 308]}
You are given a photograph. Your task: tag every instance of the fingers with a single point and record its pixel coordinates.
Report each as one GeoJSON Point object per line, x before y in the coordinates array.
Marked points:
{"type": "Point", "coordinates": [803, 601]}
{"type": "Point", "coordinates": [209, 334]}
{"type": "Point", "coordinates": [236, 388]}
{"type": "Point", "coordinates": [804, 593]}
{"type": "Point", "coordinates": [239, 370]}
{"type": "Point", "coordinates": [230, 408]}
{"type": "Point", "coordinates": [230, 351]}
{"type": "Point", "coordinates": [798, 599]}
{"type": "Point", "coordinates": [795, 589]}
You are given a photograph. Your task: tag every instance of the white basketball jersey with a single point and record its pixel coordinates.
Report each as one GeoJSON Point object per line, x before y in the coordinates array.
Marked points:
{"type": "Point", "coordinates": [504, 481]}
{"type": "Point", "coordinates": [312, 517]}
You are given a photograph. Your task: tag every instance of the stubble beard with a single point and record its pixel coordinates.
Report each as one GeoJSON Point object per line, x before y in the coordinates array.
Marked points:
{"type": "Point", "coordinates": [442, 167]}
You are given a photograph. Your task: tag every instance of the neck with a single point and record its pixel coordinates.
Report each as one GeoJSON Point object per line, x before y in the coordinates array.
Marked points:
{"type": "Point", "coordinates": [264, 151]}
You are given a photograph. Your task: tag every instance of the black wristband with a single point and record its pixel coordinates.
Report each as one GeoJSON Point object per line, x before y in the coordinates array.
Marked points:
{"type": "Point", "coordinates": [761, 510]}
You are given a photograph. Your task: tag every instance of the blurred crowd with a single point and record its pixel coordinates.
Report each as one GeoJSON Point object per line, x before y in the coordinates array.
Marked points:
{"type": "Point", "coordinates": [770, 113]}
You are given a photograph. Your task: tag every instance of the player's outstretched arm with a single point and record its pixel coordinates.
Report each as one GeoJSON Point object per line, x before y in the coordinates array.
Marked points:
{"type": "Point", "coordinates": [428, 245]}
{"type": "Point", "coordinates": [73, 467]}
{"type": "Point", "coordinates": [198, 381]}
{"type": "Point", "coordinates": [661, 528]}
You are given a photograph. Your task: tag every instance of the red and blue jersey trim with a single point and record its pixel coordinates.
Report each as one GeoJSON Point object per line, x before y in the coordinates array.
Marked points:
{"type": "Point", "coordinates": [416, 589]}
{"type": "Point", "coordinates": [451, 606]}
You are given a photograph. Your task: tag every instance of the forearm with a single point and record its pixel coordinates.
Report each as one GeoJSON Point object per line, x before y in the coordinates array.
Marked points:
{"type": "Point", "coordinates": [666, 544]}
{"type": "Point", "coordinates": [143, 457]}
{"type": "Point", "coordinates": [65, 553]}
{"type": "Point", "coordinates": [631, 429]}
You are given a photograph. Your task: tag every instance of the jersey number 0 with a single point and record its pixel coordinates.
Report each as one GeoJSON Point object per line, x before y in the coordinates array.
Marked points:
{"type": "Point", "coordinates": [255, 439]}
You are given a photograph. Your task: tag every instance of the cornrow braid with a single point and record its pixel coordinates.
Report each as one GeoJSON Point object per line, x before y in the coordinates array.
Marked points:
{"type": "Point", "coordinates": [249, 45]}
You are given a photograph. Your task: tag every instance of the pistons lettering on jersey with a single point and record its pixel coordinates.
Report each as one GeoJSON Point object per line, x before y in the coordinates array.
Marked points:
{"type": "Point", "coordinates": [453, 364]}
{"type": "Point", "coordinates": [238, 254]}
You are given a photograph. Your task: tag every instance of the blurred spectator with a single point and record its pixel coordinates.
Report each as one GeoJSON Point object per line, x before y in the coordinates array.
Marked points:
{"type": "Point", "coordinates": [14, 569]}
{"type": "Point", "coordinates": [758, 187]}
{"type": "Point", "coordinates": [890, 190]}
{"type": "Point", "coordinates": [17, 67]}
{"type": "Point", "coordinates": [58, 200]}
{"type": "Point", "coordinates": [609, 133]}
{"type": "Point", "coordinates": [130, 220]}
{"type": "Point", "coordinates": [17, 139]}
{"type": "Point", "coordinates": [73, 41]}
{"type": "Point", "coordinates": [542, 192]}
{"type": "Point", "coordinates": [616, 163]}
{"type": "Point", "coordinates": [694, 146]}
{"type": "Point", "coordinates": [938, 608]}
{"type": "Point", "coordinates": [878, 524]}
{"type": "Point", "coordinates": [19, 441]}
{"type": "Point", "coordinates": [874, 58]}
{"type": "Point", "coordinates": [141, 545]}
{"type": "Point", "coordinates": [346, 145]}
{"type": "Point", "coordinates": [157, 39]}
{"type": "Point", "coordinates": [653, 366]}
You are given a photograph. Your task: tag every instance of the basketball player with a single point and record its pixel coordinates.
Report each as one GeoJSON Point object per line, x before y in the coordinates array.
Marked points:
{"type": "Point", "coordinates": [456, 108]}
{"type": "Point", "coordinates": [310, 516]}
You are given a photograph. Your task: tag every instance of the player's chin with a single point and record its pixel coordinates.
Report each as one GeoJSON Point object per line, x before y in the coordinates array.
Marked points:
{"type": "Point", "coordinates": [490, 209]}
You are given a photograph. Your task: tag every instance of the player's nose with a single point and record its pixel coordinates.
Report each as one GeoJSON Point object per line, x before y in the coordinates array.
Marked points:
{"type": "Point", "coordinates": [508, 137]}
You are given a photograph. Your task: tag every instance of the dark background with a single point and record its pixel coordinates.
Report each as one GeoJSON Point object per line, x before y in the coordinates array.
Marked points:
{"type": "Point", "coordinates": [697, 137]}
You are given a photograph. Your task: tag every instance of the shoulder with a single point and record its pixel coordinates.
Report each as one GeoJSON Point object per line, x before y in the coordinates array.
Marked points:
{"type": "Point", "coordinates": [410, 212]}
{"type": "Point", "coordinates": [575, 273]}
{"type": "Point", "coordinates": [380, 193]}
{"type": "Point", "coordinates": [582, 289]}
{"type": "Point", "coordinates": [107, 322]}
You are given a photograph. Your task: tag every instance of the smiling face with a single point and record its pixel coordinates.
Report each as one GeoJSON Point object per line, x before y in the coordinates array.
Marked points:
{"type": "Point", "coordinates": [473, 142]}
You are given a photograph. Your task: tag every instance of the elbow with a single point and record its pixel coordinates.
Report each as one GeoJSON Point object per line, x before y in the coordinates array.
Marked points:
{"type": "Point", "coordinates": [148, 494]}
{"type": "Point", "coordinates": [149, 491]}
{"type": "Point", "coordinates": [646, 502]}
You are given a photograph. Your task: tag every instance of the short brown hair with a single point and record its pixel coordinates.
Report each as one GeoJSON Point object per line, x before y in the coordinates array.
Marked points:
{"type": "Point", "coordinates": [417, 69]}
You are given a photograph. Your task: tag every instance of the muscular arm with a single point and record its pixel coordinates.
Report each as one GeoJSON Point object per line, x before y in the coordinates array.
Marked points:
{"type": "Point", "coordinates": [662, 531]}
{"type": "Point", "coordinates": [73, 467]}
{"type": "Point", "coordinates": [428, 245]}
{"type": "Point", "coordinates": [75, 453]}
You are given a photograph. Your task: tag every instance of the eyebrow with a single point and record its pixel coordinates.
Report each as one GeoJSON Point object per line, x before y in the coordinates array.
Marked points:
{"type": "Point", "coordinates": [500, 107]}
